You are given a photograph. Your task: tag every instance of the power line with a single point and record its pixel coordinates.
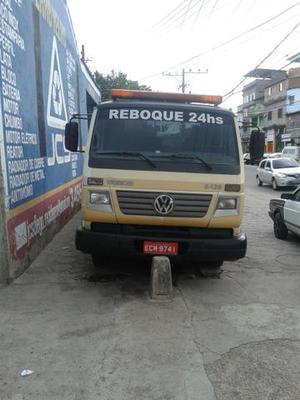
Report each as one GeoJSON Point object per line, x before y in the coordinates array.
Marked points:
{"type": "Point", "coordinates": [213, 8]}
{"type": "Point", "coordinates": [187, 11]}
{"type": "Point", "coordinates": [238, 36]}
{"type": "Point", "coordinates": [228, 41]}
{"type": "Point", "coordinates": [173, 11]}
{"type": "Point", "coordinates": [209, 14]}
{"type": "Point", "coordinates": [231, 92]}
{"type": "Point", "coordinates": [198, 12]}
{"type": "Point", "coordinates": [171, 23]}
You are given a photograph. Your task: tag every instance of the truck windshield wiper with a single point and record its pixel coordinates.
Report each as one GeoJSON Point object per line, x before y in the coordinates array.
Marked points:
{"type": "Point", "coordinates": [186, 156]}
{"type": "Point", "coordinates": [128, 154]}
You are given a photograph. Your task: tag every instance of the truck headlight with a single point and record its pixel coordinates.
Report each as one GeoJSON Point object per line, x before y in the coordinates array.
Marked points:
{"type": "Point", "coordinates": [227, 203]}
{"type": "Point", "coordinates": [100, 201]}
{"type": "Point", "coordinates": [99, 198]}
{"type": "Point", "coordinates": [227, 206]}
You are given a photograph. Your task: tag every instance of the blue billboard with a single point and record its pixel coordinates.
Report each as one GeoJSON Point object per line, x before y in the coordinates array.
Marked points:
{"type": "Point", "coordinates": [43, 83]}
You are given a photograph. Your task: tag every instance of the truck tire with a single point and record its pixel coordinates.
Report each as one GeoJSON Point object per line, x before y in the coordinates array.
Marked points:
{"type": "Point", "coordinates": [99, 260]}
{"type": "Point", "coordinates": [280, 230]}
{"type": "Point", "coordinates": [209, 269]}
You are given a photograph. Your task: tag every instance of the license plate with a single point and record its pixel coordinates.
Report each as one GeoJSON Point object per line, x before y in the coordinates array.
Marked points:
{"type": "Point", "coordinates": [166, 248]}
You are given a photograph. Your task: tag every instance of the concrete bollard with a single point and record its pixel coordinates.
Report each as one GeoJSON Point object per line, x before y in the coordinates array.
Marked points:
{"type": "Point", "coordinates": [161, 279]}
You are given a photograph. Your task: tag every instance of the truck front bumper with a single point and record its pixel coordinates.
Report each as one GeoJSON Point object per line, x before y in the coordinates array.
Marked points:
{"type": "Point", "coordinates": [203, 244]}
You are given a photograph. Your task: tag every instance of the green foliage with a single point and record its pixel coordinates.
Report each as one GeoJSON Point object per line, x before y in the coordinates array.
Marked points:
{"type": "Point", "coordinates": [116, 80]}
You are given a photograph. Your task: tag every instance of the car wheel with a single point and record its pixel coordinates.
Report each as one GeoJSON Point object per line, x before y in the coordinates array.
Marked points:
{"type": "Point", "coordinates": [274, 184]}
{"type": "Point", "coordinates": [258, 181]}
{"type": "Point", "coordinates": [280, 230]}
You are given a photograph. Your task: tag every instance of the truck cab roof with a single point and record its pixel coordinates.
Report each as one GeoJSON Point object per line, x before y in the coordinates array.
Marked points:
{"type": "Point", "coordinates": [163, 105]}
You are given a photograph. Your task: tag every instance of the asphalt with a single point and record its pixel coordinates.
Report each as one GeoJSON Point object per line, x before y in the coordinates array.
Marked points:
{"type": "Point", "coordinates": [95, 334]}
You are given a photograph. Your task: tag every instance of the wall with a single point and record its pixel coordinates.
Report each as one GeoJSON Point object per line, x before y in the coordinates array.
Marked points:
{"type": "Point", "coordinates": [43, 83]}
{"type": "Point", "coordinates": [295, 107]}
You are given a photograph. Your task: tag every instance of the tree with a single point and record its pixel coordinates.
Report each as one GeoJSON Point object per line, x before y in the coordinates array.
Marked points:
{"type": "Point", "coordinates": [116, 80]}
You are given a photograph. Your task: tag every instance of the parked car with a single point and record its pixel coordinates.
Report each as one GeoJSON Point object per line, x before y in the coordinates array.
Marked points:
{"type": "Point", "coordinates": [285, 213]}
{"type": "Point", "coordinates": [278, 172]}
{"type": "Point", "coordinates": [291, 152]}
{"type": "Point", "coordinates": [275, 155]}
{"type": "Point", "coordinates": [247, 159]}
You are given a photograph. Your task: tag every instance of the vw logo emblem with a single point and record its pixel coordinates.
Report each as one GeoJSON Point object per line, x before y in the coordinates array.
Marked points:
{"type": "Point", "coordinates": [164, 204]}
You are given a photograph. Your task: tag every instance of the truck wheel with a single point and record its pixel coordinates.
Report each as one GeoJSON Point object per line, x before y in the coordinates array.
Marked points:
{"type": "Point", "coordinates": [274, 184]}
{"type": "Point", "coordinates": [99, 260]}
{"type": "Point", "coordinates": [258, 181]}
{"type": "Point", "coordinates": [209, 269]}
{"type": "Point", "coordinates": [280, 230]}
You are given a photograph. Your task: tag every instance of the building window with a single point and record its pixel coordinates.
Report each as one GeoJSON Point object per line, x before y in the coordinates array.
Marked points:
{"type": "Point", "coordinates": [269, 91]}
{"type": "Point", "coordinates": [279, 113]}
{"type": "Point", "coordinates": [246, 99]}
{"type": "Point", "coordinates": [291, 100]}
{"type": "Point", "coordinates": [280, 87]}
{"type": "Point", "coordinates": [269, 115]}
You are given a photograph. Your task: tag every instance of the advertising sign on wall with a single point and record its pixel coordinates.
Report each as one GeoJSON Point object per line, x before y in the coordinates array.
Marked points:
{"type": "Point", "coordinates": [42, 86]}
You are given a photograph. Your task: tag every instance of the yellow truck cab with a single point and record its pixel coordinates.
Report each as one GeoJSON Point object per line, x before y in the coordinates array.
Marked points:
{"type": "Point", "coordinates": [163, 175]}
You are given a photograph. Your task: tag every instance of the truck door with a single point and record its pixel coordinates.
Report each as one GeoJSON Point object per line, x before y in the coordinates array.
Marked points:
{"type": "Point", "coordinates": [292, 213]}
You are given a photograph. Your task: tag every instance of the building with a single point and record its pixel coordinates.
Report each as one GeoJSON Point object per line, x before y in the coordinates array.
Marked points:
{"type": "Point", "coordinates": [43, 83]}
{"type": "Point", "coordinates": [274, 123]}
{"type": "Point", "coordinates": [252, 113]}
{"type": "Point", "coordinates": [292, 135]}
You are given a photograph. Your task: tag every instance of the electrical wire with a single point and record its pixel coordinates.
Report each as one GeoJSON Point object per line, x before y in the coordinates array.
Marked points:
{"type": "Point", "coordinates": [170, 26]}
{"type": "Point", "coordinates": [231, 92]}
{"type": "Point", "coordinates": [254, 36]}
{"type": "Point", "coordinates": [213, 9]}
{"type": "Point", "coordinates": [227, 41]}
{"type": "Point", "coordinates": [187, 11]}
{"type": "Point", "coordinates": [198, 12]}
{"type": "Point", "coordinates": [173, 11]}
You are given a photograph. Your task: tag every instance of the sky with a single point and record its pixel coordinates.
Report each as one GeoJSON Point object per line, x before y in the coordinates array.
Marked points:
{"type": "Point", "coordinates": [147, 40]}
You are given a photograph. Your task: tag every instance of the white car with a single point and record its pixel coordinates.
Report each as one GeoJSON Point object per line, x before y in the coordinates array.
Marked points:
{"type": "Point", "coordinates": [278, 172]}
{"type": "Point", "coordinates": [291, 152]}
{"type": "Point", "coordinates": [285, 213]}
{"type": "Point", "coordinates": [275, 155]}
{"type": "Point", "coordinates": [247, 159]}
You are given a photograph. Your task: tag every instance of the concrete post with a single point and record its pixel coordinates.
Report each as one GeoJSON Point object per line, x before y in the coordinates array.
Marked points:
{"type": "Point", "coordinates": [4, 266]}
{"type": "Point", "coordinates": [161, 279]}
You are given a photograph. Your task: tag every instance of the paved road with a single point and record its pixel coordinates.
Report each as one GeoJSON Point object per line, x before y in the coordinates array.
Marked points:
{"type": "Point", "coordinates": [91, 335]}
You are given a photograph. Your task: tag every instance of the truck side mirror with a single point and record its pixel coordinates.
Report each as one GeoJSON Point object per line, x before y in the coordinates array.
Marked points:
{"type": "Point", "coordinates": [72, 136]}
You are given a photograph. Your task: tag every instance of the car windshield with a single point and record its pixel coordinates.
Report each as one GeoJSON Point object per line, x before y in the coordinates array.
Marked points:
{"type": "Point", "coordinates": [285, 163]}
{"type": "Point", "coordinates": [166, 136]}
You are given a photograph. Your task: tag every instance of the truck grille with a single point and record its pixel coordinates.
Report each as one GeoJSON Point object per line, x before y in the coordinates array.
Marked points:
{"type": "Point", "coordinates": [185, 205]}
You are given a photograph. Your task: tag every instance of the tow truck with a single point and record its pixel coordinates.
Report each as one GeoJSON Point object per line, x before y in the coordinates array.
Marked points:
{"type": "Point", "coordinates": [163, 175]}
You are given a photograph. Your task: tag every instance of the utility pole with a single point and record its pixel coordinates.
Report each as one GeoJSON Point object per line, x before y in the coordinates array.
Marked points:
{"type": "Point", "coordinates": [83, 57]}
{"type": "Point", "coordinates": [183, 74]}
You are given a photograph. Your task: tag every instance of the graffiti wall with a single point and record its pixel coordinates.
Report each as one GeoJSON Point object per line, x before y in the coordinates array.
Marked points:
{"type": "Point", "coordinates": [42, 84]}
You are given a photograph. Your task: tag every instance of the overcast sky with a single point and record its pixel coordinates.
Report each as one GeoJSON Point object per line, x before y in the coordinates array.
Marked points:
{"type": "Point", "coordinates": [146, 38]}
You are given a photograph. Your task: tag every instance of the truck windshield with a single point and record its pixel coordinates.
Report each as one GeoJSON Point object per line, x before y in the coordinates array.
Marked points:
{"type": "Point", "coordinates": [176, 140]}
